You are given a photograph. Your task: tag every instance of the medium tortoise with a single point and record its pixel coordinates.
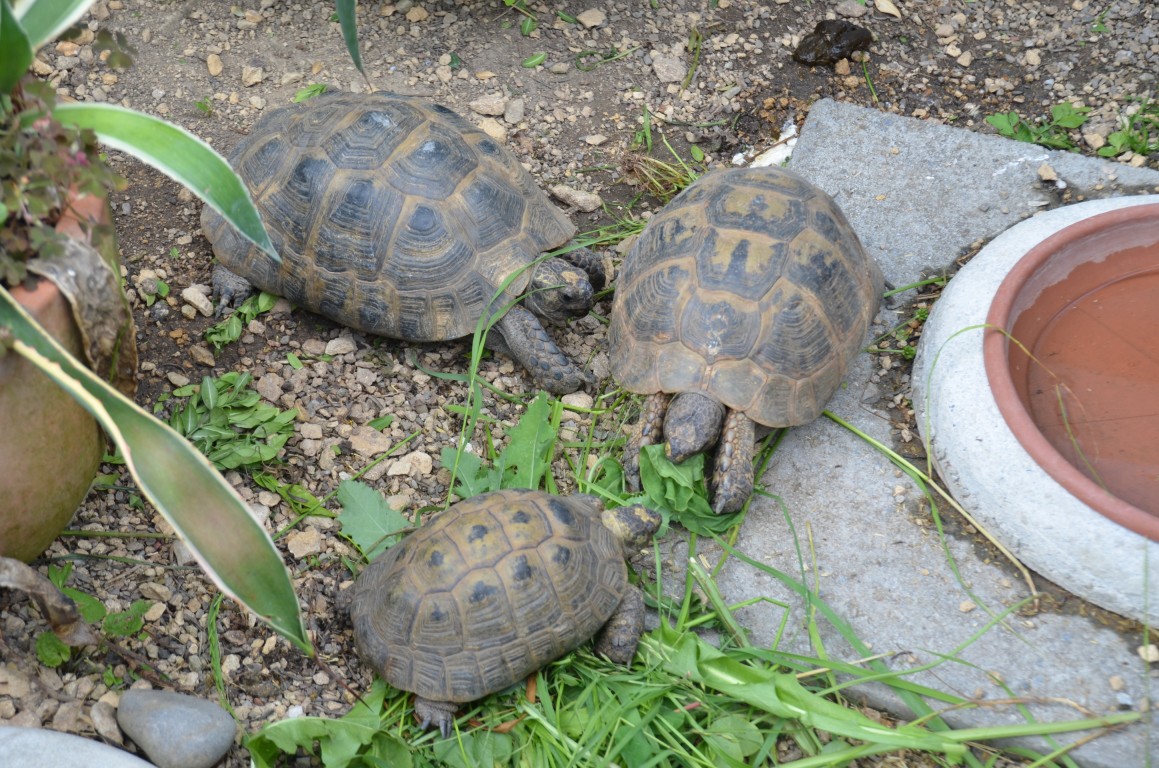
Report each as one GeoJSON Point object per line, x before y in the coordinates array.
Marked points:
{"type": "Point", "coordinates": [398, 217]}
{"type": "Point", "coordinates": [496, 587]}
{"type": "Point", "coordinates": [747, 297]}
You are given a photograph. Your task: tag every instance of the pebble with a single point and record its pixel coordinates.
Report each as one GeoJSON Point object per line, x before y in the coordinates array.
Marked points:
{"type": "Point", "coordinates": [252, 75]}
{"type": "Point", "coordinates": [104, 719]}
{"type": "Point", "coordinates": [592, 17]}
{"type": "Point", "coordinates": [369, 442]}
{"type": "Point", "coordinates": [415, 464]}
{"type": "Point", "coordinates": [491, 104]}
{"type": "Point", "coordinates": [303, 543]}
{"type": "Point", "coordinates": [33, 746]}
{"type": "Point", "coordinates": [202, 356]}
{"type": "Point", "coordinates": [513, 112]}
{"type": "Point", "coordinates": [494, 129]}
{"type": "Point", "coordinates": [668, 69]}
{"type": "Point", "coordinates": [343, 345]}
{"type": "Point", "coordinates": [176, 730]}
{"type": "Point", "coordinates": [214, 64]}
{"type": "Point", "coordinates": [197, 296]}
{"type": "Point", "coordinates": [584, 201]}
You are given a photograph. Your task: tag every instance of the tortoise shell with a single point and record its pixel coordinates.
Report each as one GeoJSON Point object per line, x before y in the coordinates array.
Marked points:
{"type": "Point", "coordinates": [487, 592]}
{"type": "Point", "coordinates": [391, 214]}
{"type": "Point", "coordinates": [749, 286]}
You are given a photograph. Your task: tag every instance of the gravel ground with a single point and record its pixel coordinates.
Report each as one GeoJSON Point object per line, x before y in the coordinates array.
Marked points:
{"type": "Point", "coordinates": [953, 62]}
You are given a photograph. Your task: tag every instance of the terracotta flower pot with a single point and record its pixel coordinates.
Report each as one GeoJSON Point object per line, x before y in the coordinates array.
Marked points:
{"type": "Point", "coordinates": [50, 447]}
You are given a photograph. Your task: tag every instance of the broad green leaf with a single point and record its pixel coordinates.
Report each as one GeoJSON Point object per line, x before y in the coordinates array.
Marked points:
{"type": "Point", "coordinates": [179, 481]}
{"type": "Point", "coordinates": [179, 155]}
{"type": "Point", "coordinates": [527, 457]}
{"type": "Point", "coordinates": [367, 520]}
{"type": "Point", "coordinates": [472, 478]}
{"type": "Point", "coordinates": [680, 491]}
{"type": "Point", "coordinates": [51, 650]}
{"type": "Point", "coordinates": [127, 622]}
{"type": "Point", "coordinates": [91, 609]}
{"type": "Point", "coordinates": [44, 20]}
{"type": "Point", "coordinates": [17, 50]}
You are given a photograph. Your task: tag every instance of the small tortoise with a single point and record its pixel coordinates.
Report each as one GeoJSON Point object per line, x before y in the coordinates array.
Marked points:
{"type": "Point", "coordinates": [496, 587]}
{"type": "Point", "coordinates": [747, 297]}
{"type": "Point", "coordinates": [398, 217]}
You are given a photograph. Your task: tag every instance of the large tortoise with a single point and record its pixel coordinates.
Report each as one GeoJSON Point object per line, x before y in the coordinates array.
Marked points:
{"type": "Point", "coordinates": [398, 217]}
{"type": "Point", "coordinates": [496, 587]}
{"type": "Point", "coordinates": [746, 297]}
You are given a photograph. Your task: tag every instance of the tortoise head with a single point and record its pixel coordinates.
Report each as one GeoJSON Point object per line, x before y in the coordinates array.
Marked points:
{"type": "Point", "coordinates": [557, 290]}
{"type": "Point", "coordinates": [634, 525]}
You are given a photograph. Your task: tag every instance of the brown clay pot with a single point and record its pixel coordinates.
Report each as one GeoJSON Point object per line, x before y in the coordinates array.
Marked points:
{"type": "Point", "coordinates": [50, 447]}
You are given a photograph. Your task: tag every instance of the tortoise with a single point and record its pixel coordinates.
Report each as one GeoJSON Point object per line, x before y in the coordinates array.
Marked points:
{"type": "Point", "coordinates": [742, 302]}
{"type": "Point", "coordinates": [398, 217]}
{"type": "Point", "coordinates": [494, 588]}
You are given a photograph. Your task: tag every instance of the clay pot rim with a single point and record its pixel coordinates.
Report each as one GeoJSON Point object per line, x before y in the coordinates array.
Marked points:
{"type": "Point", "coordinates": [994, 354]}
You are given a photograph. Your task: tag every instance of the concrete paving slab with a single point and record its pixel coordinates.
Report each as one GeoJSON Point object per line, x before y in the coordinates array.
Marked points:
{"type": "Point", "coordinates": [919, 194]}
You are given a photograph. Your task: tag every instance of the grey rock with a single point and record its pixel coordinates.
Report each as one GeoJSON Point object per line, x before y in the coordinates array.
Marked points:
{"type": "Point", "coordinates": [176, 730]}
{"type": "Point", "coordinates": [42, 748]}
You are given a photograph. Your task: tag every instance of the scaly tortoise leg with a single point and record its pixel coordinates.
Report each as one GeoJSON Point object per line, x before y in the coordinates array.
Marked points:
{"type": "Point", "coordinates": [521, 336]}
{"type": "Point", "coordinates": [649, 431]}
{"type": "Point", "coordinates": [621, 634]}
{"type": "Point", "coordinates": [732, 472]}
{"type": "Point", "coordinates": [440, 714]}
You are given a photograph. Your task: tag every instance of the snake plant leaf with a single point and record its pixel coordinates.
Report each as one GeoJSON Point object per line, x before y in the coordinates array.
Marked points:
{"type": "Point", "coordinates": [16, 46]}
{"type": "Point", "coordinates": [43, 20]}
{"type": "Point", "coordinates": [229, 544]}
{"type": "Point", "coordinates": [178, 154]}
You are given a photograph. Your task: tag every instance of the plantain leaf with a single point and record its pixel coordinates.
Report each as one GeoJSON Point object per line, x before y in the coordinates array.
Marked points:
{"type": "Point", "coordinates": [179, 155]}
{"type": "Point", "coordinates": [179, 481]}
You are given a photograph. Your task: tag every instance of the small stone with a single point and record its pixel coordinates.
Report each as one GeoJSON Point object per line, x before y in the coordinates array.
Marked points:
{"type": "Point", "coordinates": [1149, 653]}
{"type": "Point", "coordinates": [953, 51]}
{"type": "Point", "coordinates": [592, 17]}
{"type": "Point", "coordinates": [584, 201]}
{"type": "Point", "coordinates": [343, 345]}
{"type": "Point", "coordinates": [197, 296]}
{"type": "Point", "coordinates": [1095, 140]}
{"type": "Point", "coordinates": [513, 113]}
{"type": "Point", "coordinates": [966, 606]}
{"type": "Point", "coordinates": [966, 59]}
{"type": "Point", "coordinates": [1033, 58]}
{"type": "Point", "coordinates": [67, 48]}
{"type": "Point", "coordinates": [416, 464]}
{"type": "Point", "coordinates": [494, 129]}
{"type": "Point", "coordinates": [177, 379]}
{"type": "Point", "coordinates": [104, 719]}
{"type": "Point", "coordinates": [668, 69]}
{"type": "Point", "coordinates": [214, 64]}
{"type": "Point", "coordinates": [176, 730]}
{"type": "Point", "coordinates": [368, 441]}
{"type": "Point", "coordinates": [304, 543]}
{"type": "Point", "coordinates": [596, 139]}
{"type": "Point", "coordinates": [1117, 683]}
{"type": "Point", "coordinates": [493, 104]}
{"type": "Point", "coordinates": [851, 9]}
{"type": "Point", "coordinates": [202, 356]}
{"type": "Point", "coordinates": [944, 30]}
{"type": "Point", "coordinates": [578, 400]}
{"type": "Point", "coordinates": [444, 73]}
{"type": "Point", "coordinates": [559, 68]}
{"type": "Point", "coordinates": [252, 75]}
{"type": "Point", "coordinates": [154, 591]}
{"type": "Point", "coordinates": [1046, 173]}
{"type": "Point", "coordinates": [417, 14]}
{"type": "Point", "coordinates": [842, 67]}
{"type": "Point", "coordinates": [270, 387]}
{"type": "Point", "coordinates": [311, 431]}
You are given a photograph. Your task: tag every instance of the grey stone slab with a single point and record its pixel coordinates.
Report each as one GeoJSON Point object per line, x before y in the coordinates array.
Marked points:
{"type": "Point", "coordinates": [42, 748]}
{"type": "Point", "coordinates": [919, 194]}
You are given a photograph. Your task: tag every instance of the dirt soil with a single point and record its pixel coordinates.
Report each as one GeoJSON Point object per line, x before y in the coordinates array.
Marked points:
{"type": "Point", "coordinates": [215, 67]}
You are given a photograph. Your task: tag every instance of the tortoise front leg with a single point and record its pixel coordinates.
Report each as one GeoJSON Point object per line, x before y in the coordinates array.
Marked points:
{"type": "Point", "coordinates": [732, 472]}
{"type": "Point", "coordinates": [648, 431]}
{"type": "Point", "coordinates": [621, 634]}
{"type": "Point", "coordinates": [229, 288]}
{"type": "Point", "coordinates": [521, 336]}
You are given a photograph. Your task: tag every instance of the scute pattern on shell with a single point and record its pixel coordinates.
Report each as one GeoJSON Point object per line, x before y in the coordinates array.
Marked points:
{"type": "Point", "coordinates": [750, 286]}
{"type": "Point", "coordinates": [488, 592]}
{"type": "Point", "coordinates": [391, 214]}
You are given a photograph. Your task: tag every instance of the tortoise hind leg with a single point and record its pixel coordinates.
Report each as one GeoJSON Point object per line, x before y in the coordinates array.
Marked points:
{"type": "Point", "coordinates": [520, 335]}
{"type": "Point", "coordinates": [648, 432]}
{"type": "Point", "coordinates": [437, 713]}
{"type": "Point", "coordinates": [732, 472]}
{"type": "Point", "coordinates": [621, 634]}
